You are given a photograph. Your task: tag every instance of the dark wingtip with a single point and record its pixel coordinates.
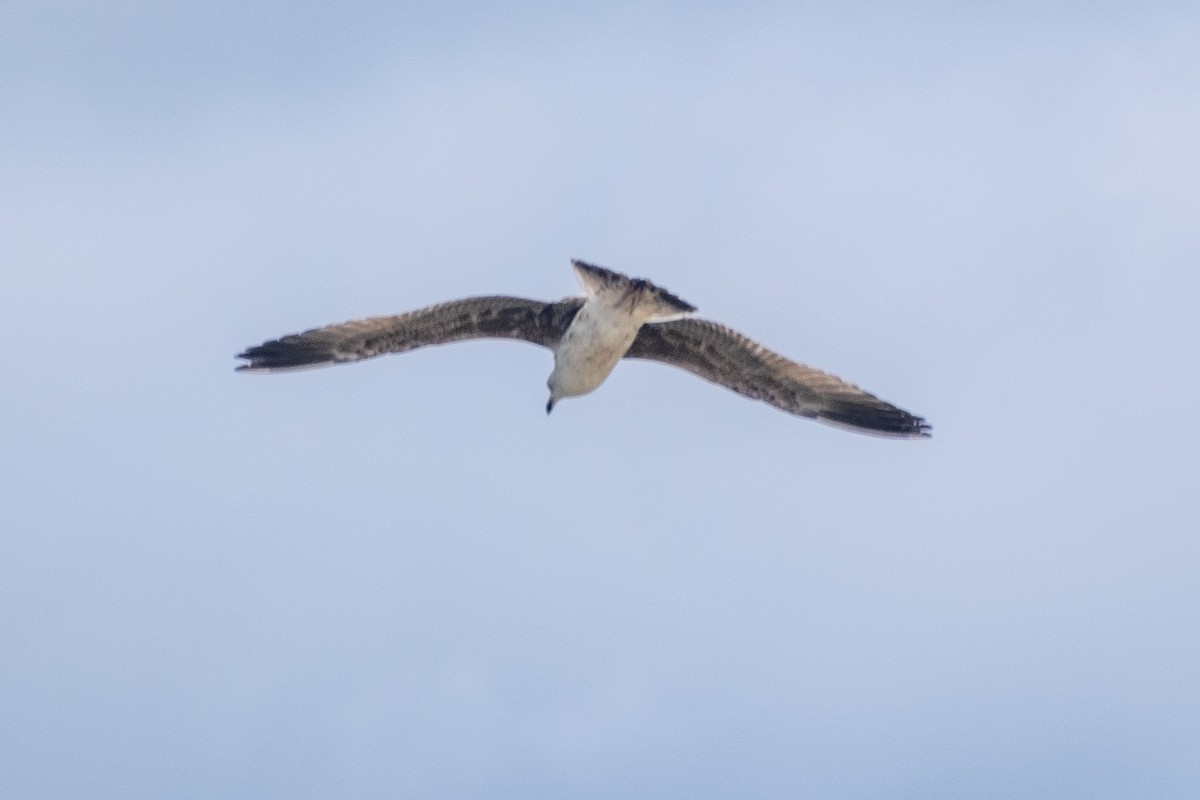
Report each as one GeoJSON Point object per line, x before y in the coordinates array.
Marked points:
{"type": "Point", "coordinates": [290, 352]}
{"type": "Point", "coordinates": [879, 418]}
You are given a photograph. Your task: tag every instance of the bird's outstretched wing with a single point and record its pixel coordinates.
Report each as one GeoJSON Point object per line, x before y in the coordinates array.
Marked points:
{"type": "Point", "coordinates": [495, 317]}
{"type": "Point", "coordinates": [728, 358]}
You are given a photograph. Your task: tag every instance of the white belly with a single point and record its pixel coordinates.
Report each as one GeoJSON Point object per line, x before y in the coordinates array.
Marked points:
{"type": "Point", "coordinates": [595, 341]}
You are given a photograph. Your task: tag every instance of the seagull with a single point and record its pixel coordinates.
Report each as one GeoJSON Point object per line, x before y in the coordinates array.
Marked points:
{"type": "Point", "coordinates": [617, 317]}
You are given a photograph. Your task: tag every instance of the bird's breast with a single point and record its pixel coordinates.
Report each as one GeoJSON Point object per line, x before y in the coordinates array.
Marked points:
{"type": "Point", "coordinates": [593, 344]}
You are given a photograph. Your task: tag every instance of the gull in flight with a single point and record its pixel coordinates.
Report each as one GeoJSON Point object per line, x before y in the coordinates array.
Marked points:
{"type": "Point", "coordinates": [617, 317]}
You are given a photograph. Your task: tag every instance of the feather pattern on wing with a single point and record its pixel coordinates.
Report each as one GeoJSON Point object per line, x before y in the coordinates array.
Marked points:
{"type": "Point", "coordinates": [726, 357]}
{"type": "Point", "coordinates": [492, 317]}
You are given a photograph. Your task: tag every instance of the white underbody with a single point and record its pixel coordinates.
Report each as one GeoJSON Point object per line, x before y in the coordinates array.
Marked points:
{"type": "Point", "coordinates": [596, 340]}
{"type": "Point", "coordinates": [614, 309]}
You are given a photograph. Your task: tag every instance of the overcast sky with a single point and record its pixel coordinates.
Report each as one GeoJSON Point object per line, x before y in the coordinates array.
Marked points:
{"type": "Point", "coordinates": [401, 579]}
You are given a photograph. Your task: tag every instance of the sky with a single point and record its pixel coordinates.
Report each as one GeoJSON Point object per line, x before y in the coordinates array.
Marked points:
{"type": "Point", "coordinates": [401, 578]}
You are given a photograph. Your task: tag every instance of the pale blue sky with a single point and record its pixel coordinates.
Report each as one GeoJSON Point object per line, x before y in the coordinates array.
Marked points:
{"type": "Point", "coordinates": [401, 579]}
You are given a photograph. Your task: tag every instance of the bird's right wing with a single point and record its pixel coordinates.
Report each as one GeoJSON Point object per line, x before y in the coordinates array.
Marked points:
{"type": "Point", "coordinates": [494, 317]}
{"type": "Point", "coordinates": [726, 357]}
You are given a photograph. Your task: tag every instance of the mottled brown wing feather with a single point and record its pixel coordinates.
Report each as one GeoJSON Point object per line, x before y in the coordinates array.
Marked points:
{"type": "Point", "coordinates": [728, 358]}
{"type": "Point", "coordinates": [495, 317]}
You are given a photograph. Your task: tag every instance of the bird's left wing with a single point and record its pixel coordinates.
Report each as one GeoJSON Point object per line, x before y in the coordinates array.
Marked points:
{"type": "Point", "coordinates": [493, 317]}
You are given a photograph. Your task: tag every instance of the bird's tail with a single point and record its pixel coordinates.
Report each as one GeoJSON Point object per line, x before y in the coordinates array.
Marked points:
{"type": "Point", "coordinates": [657, 303]}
